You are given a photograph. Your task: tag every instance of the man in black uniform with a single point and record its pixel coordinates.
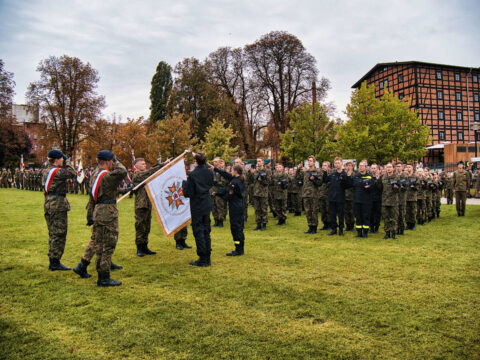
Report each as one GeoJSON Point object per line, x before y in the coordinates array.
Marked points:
{"type": "Point", "coordinates": [197, 189]}
{"type": "Point", "coordinates": [338, 181]}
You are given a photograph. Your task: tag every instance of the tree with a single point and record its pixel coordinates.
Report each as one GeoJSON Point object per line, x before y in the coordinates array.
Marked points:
{"type": "Point", "coordinates": [381, 130]}
{"type": "Point", "coordinates": [13, 143]}
{"type": "Point", "coordinates": [177, 127]}
{"type": "Point", "coordinates": [130, 136]}
{"type": "Point", "coordinates": [66, 94]}
{"type": "Point", "coordinates": [161, 87]}
{"type": "Point", "coordinates": [283, 72]}
{"type": "Point", "coordinates": [315, 133]}
{"type": "Point", "coordinates": [99, 134]}
{"type": "Point", "coordinates": [6, 90]}
{"type": "Point", "coordinates": [217, 141]}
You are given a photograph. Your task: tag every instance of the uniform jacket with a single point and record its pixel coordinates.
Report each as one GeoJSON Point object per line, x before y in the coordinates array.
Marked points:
{"type": "Point", "coordinates": [197, 189]}
{"type": "Point", "coordinates": [141, 198]}
{"type": "Point", "coordinates": [412, 188]}
{"type": "Point", "coordinates": [389, 193]}
{"type": "Point", "coordinates": [279, 185]}
{"type": "Point", "coordinates": [54, 202]}
{"type": "Point", "coordinates": [461, 180]}
{"type": "Point", "coordinates": [310, 187]}
{"type": "Point", "coordinates": [337, 183]}
{"type": "Point", "coordinates": [361, 193]}
{"type": "Point", "coordinates": [234, 193]}
{"type": "Point", "coordinates": [260, 187]}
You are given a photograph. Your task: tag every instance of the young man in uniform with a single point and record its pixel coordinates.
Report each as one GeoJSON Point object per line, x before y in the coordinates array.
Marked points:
{"type": "Point", "coordinates": [460, 187]}
{"type": "Point", "coordinates": [312, 180]}
{"type": "Point", "coordinates": [411, 197]}
{"type": "Point", "coordinates": [389, 185]}
{"type": "Point", "coordinates": [261, 179]}
{"type": "Point", "coordinates": [279, 185]}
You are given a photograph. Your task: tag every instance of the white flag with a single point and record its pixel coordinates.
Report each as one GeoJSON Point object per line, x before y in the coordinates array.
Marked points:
{"type": "Point", "coordinates": [80, 173]}
{"type": "Point", "coordinates": [166, 195]}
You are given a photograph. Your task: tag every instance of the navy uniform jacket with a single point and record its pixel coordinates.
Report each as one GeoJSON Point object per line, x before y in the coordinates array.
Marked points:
{"type": "Point", "coordinates": [233, 193]}
{"type": "Point", "coordinates": [361, 194]}
{"type": "Point", "coordinates": [197, 188]}
{"type": "Point", "coordinates": [338, 182]}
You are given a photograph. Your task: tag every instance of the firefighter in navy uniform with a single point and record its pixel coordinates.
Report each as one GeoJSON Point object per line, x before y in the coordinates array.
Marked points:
{"type": "Point", "coordinates": [363, 183]}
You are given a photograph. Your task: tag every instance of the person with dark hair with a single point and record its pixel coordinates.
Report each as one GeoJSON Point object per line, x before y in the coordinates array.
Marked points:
{"type": "Point", "coordinates": [56, 206]}
{"type": "Point", "coordinates": [363, 182]}
{"type": "Point", "coordinates": [234, 195]}
{"type": "Point", "coordinates": [338, 181]}
{"type": "Point", "coordinates": [260, 178]}
{"type": "Point", "coordinates": [197, 189]}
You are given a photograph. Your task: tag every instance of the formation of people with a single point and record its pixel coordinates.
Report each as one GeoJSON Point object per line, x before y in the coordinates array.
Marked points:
{"type": "Point", "coordinates": [346, 200]}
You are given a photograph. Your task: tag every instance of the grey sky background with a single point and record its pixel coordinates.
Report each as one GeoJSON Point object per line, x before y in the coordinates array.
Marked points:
{"type": "Point", "coordinates": [125, 40]}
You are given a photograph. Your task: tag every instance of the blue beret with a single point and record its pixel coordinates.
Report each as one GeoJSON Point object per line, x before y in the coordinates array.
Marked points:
{"type": "Point", "coordinates": [105, 155]}
{"type": "Point", "coordinates": [55, 154]}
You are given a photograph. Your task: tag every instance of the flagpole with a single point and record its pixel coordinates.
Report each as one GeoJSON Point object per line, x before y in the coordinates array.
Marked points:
{"type": "Point", "coordinates": [155, 173]}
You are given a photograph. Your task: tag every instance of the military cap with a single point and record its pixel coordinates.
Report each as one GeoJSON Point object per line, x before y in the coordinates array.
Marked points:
{"type": "Point", "coordinates": [105, 155]}
{"type": "Point", "coordinates": [460, 162]}
{"type": "Point", "coordinates": [55, 154]}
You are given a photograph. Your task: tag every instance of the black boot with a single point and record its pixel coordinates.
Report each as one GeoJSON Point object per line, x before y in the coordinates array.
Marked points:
{"type": "Point", "coordinates": [203, 261]}
{"type": "Point", "coordinates": [259, 227]}
{"type": "Point", "coordinates": [387, 235]}
{"type": "Point", "coordinates": [81, 269]}
{"type": "Point", "coordinates": [359, 233]}
{"type": "Point", "coordinates": [340, 232]}
{"type": "Point", "coordinates": [365, 233]}
{"type": "Point", "coordinates": [298, 213]}
{"type": "Point", "coordinates": [412, 227]}
{"type": "Point", "coordinates": [309, 231]}
{"type": "Point", "coordinates": [185, 245]}
{"type": "Point", "coordinates": [237, 252]}
{"type": "Point", "coordinates": [394, 236]}
{"type": "Point", "coordinates": [104, 280]}
{"type": "Point", "coordinates": [333, 232]}
{"type": "Point", "coordinates": [147, 251]}
{"type": "Point", "coordinates": [401, 232]}
{"type": "Point", "coordinates": [314, 229]}
{"type": "Point", "coordinates": [264, 227]}
{"type": "Point", "coordinates": [56, 266]}
{"type": "Point", "coordinates": [220, 223]}
{"type": "Point", "coordinates": [140, 252]}
{"type": "Point", "coordinates": [115, 267]}
{"type": "Point", "coordinates": [325, 227]}
{"type": "Point", "coordinates": [216, 223]}
{"type": "Point", "coordinates": [349, 227]}
{"type": "Point", "coordinates": [179, 245]}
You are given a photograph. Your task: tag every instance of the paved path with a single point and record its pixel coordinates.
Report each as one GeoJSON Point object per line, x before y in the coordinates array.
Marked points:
{"type": "Point", "coordinates": [471, 201]}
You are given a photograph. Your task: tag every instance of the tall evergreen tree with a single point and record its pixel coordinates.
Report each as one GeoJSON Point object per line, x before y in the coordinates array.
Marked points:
{"type": "Point", "coordinates": [161, 87]}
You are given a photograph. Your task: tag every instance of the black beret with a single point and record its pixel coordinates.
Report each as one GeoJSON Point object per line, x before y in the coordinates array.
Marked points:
{"type": "Point", "coordinates": [105, 155]}
{"type": "Point", "coordinates": [55, 154]}
{"type": "Point", "coordinates": [460, 162]}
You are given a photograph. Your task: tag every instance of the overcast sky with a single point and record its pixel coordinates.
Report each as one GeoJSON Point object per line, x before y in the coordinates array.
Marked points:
{"type": "Point", "coordinates": [125, 40]}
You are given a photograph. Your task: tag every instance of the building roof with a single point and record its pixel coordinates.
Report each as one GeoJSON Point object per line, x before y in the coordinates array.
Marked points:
{"type": "Point", "coordinates": [372, 70]}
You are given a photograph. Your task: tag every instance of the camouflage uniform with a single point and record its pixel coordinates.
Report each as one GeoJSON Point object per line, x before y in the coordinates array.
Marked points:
{"type": "Point", "coordinates": [389, 202]}
{"type": "Point", "coordinates": [437, 196]}
{"type": "Point", "coordinates": [402, 202]}
{"type": "Point", "coordinates": [429, 197]}
{"type": "Point", "coordinates": [310, 191]}
{"type": "Point", "coordinates": [105, 218]}
{"type": "Point", "coordinates": [411, 201]}
{"type": "Point", "coordinates": [219, 211]}
{"type": "Point", "coordinates": [279, 192]}
{"type": "Point", "coordinates": [55, 209]}
{"type": "Point", "coordinates": [181, 238]}
{"type": "Point", "coordinates": [296, 184]}
{"type": "Point", "coordinates": [323, 205]}
{"type": "Point", "coordinates": [461, 186]}
{"type": "Point", "coordinates": [448, 180]}
{"type": "Point", "coordinates": [260, 180]}
{"type": "Point", "coordinates": [421, 206]}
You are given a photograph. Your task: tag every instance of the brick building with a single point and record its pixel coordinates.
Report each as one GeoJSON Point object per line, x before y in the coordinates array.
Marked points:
{"type": "Point", "coordinates": [446, 98]}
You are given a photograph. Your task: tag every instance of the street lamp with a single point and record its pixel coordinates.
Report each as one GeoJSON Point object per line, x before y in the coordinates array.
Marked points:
{"type": "Point", "coordinates": [475, 126]}
{"type": "Point", "coordinates": [293, 139]}
{"type": "Point", "coordinates": [173, 147]}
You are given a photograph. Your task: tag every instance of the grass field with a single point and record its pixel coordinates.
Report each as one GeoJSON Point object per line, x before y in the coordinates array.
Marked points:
{"type": "Point", "coordinates": [292, 296]}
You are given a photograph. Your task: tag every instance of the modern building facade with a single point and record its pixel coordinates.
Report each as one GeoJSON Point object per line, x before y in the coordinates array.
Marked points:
{"type": "Point", "coordinates": [446, 98]}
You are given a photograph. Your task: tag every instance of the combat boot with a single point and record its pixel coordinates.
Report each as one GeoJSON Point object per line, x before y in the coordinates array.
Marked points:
{"type": "Point", "coordinates": [259, 227]}
{"type": "Point", "coordinates": [185, 246]}
{"type": "Point", "coordinates": [309, 231]}
{"type": "Point", "coordinates": [340, 232]}
{"type": "Point", "coordinates": [387, 235]}
{"type": "Point", "coordinates": [412, 227]}
{"type": "Point", "coordinates": [115, 267]}
{"type": "Point", "coordinates": [314, 229]}
{"type": "Point", "coordinates": [147, 251]}
{"type": "Point", "coordinates": [105, 281]}
{"type": "Point", "coordinates": [179, 245]}
{"type": "Point", "coordinates": [56, 266]}
{"type": "Point", "coordinates": [220, 223]}
{"type": "Point", "coordinates": [140, 252]}
{"type": "Point", "coordinates": [333, 232]}
{"type": "Point", "coordinates": [365, 233]}
{"type": "Point", "coordinates": [237, 252]}
{"type": "Point", "coordinates": [401, 232]}
{"type": "Point", "coordinates": [393, 235]}
{"type": "Point", "coordinates": [216, 223]}
{"type": "Point", "coordinates": [359, 233]}
{"type": "Point", "coordinates": [203, 261]}
{"type": "Point", "coordinates": [264, 227]}
{"type": "Point", "coordinates": [81, 269]}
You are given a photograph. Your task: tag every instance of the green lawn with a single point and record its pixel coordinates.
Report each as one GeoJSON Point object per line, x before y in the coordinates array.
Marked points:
{"type": "Point", "coordinates": [292, 296]}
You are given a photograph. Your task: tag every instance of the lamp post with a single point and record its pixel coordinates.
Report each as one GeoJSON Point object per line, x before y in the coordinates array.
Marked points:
{"type": "Point", "coordinates": [293, 140]}
{"type": "Point", "coordinates": [173, 147]}
{"type": "Point", "coordinates": [475, 126]}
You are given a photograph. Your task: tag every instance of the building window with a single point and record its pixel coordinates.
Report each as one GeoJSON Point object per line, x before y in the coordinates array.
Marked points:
{"type": "Point", "coordinates": [441, 135]}
{"type": "Point", "coordinates": [385, 83]}
{"type": "Point", "coordinates": [401, 96]}
{"type": "Point", "coordinates": [400, 78]}
{"type": "Point", "coordinates": [457, 77]}
{"type": "Point", "coordinates": [381, 84]}
{"type": "Point", "coordinates": [383, 69]}
{"type": "Point", "coordinates": [460, 136]}
{"type": "Point", "coordinates": [459, 116]}
{"type": "Point", "coordinates": [439, 94]}
{"type": "Point", "coordinates": [439, 75]}
{"type": "Point", "coordinates": [477, 117]}
{"type": "Point", "coordinates": [475, 97]}
{"type": "Point", "coordinates": [34, 136]}
{"type": "Point", "coordinates": [475, 78]}
{"type": "Point", "coordinates": [441, 115]}
{"type": "Point", "coordinates": [458, 96]}
{"type": "Point", "coordinates": [461, 148]}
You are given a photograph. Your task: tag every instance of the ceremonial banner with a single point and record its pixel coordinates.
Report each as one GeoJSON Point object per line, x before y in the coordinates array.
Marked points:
{"type": "Point", "coordinates": [166, 195]}
{"type": "Point", "coordinates": [80, 173]}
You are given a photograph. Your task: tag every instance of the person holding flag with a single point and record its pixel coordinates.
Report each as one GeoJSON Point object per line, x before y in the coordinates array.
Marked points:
{"type": "Point", "coordinates": [56, 206]}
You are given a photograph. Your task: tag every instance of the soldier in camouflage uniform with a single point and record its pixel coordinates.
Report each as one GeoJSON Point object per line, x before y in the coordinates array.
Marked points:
{"type": "Point", "coordinates": [181, 238]}
{"type": "Point", "coordinates": [411, 197]}
{"type": "Point", "coordinates": [460, 187]}
{"type": "Point", "coordinates": [143, 207]}
{"type": "Point", "coordinates": [279, 190]}
{"type": "Point", "coordinates": [349, 213]}
{"type": "Point", "coordinates": [437, 194]}
{"type": "Point", "coordinates": [421, 206]}
{"type": "Point", "coordinates": [260, 178]}
{"type": "Point", "coordinates": [312, 180]}
{"type": "Point", "coordinates": [323, 198]}
{"type": "Point", "coordinates": [296, 184]}
{"type": "Point", "coordinates": [429, 194]}
{"type": "Point", "coordinates": [402, 197]}
{"type": "Point", "coordinates": [219, 211]}
{"type": "Point", "coordinates": [389, 185]}
{"type": "Point", "coordinates": [56, 205]}
{"type": "Point", "coordinates": [105, 213]}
